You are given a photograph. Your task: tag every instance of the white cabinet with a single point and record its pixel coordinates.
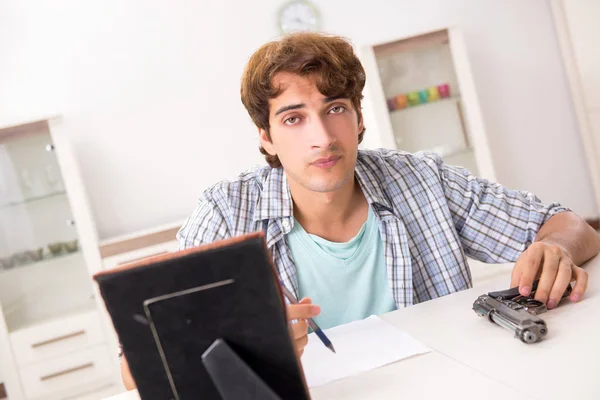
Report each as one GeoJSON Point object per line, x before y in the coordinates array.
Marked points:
{"type": "Point", "coordinates": [420, 96]}
{"type": "Point", "coordinates": [139, 245]}
{"type": "Point", "coordinates": [53, 340]}
{"type": "Point", "coordinates": [63, 376]}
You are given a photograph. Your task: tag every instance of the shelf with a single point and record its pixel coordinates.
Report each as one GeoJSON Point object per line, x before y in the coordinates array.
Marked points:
{"type": "Point", "coordinates": [446, 151]}
{"type": "Point", "coordinates": [34, 199]}
{"type": "Point", "coordinates": [44, 290]}
{"type": "Point", "coordinates": [18, 320]}
{"type": "Point", "coordinates": [49, 260]}
{"type": "Point", "coordinates": [446, 99]}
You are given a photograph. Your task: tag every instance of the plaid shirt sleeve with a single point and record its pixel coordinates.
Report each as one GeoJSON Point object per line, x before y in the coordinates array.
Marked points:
{"type": "Point", "coordinates": [206, 225]}
{"type": "Point", "coordinates": [495, 224]}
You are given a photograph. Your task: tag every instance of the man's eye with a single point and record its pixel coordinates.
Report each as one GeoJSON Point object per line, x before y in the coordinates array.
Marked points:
{"type": "Point", "coordinates": [337, 109]}
{"type": "Point", "coordinates": [291, 121]}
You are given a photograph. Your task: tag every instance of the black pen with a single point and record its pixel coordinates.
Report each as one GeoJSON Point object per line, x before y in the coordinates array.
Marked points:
{"type": "Point", "coordinates": [313, 325]}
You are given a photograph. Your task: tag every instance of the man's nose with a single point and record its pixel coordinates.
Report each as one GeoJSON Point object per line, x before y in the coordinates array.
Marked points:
{"type": "Point", "coordinates": [321, 136]}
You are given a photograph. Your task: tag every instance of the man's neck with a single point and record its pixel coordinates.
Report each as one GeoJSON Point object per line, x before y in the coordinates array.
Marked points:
{"type": "Point", "coordinates": [336, 216]}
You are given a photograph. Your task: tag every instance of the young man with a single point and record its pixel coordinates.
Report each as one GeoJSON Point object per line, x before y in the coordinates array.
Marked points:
{"type": "Point", "coordinates": [354, 233]}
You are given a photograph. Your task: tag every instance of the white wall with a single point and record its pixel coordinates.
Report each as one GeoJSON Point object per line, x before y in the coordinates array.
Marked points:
{"type": "Point", "coordinates": [150, 90]}
{"type": "Point", "coordinates": [578, 29]}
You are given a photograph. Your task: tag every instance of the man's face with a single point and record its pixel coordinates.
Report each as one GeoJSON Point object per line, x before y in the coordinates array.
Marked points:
{"type": "Point", "coordinates": [315, 138]}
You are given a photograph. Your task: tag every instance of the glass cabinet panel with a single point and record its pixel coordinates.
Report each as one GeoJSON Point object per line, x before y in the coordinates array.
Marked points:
{"type": "Point", "coordinates": [42, 270]}
{"type": "Point", "coordinates": [423, 97]}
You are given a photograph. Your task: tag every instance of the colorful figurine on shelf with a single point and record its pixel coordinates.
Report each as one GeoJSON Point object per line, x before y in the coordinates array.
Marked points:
{"type": "Point", "coordinates": [424, 96]}
{"type": "Point", "coordinates": [413, 98]}
{"type": "Point", "coordinates": [391, 104]}
{"type": "Point", "coordinates": [401, 101]}
{"type": "Point", "coordinates": [433, 93]}
{"type": "Point", "coordinates": [444, 90]}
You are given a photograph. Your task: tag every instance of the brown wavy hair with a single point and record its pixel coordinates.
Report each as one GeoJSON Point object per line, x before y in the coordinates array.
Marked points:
{"type": "Point", "coordinates": [331, 59]}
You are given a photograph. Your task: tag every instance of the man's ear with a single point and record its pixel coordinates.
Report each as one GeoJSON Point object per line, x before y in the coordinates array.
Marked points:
{"type": "Point", "coordinates": [266, 142]}
{"type": "Point", "coordinates": [361, 124]}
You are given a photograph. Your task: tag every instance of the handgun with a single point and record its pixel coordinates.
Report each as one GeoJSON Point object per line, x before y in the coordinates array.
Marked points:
{"type": "Point", "coordinates": [517, 313]}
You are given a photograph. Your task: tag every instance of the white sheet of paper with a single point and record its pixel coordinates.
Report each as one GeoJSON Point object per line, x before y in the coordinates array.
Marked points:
{"type": "Point", "coordinates": [360, 346]}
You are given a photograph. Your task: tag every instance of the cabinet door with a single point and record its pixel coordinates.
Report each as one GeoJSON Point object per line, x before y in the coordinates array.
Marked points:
{"type": "Point", "coordinates": [43, 273]}
{"type": "Point", "coordinates": [380, 133]}
{"type": "Point", "coordinates": [470, 104]}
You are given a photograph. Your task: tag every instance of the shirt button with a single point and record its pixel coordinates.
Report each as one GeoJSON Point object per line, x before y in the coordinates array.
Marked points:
{"type": "Point", "coordinates": [285, 224]}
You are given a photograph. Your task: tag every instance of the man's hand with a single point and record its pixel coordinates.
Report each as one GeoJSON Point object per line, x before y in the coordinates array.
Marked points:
{"type": "Point", "coordinates": [301, 311]}
{"type": "Point", "coordinates": [126, 377]}
{"type": "Point", "coordinates": [554, 267]}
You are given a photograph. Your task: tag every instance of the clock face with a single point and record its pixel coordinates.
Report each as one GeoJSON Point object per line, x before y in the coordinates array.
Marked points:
{"type": "Point", "coordinates": [298, 15]}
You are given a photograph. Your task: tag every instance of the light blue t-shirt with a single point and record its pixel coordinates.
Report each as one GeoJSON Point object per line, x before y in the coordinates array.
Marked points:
{"type": "Point", "coordinates": [347, 280]}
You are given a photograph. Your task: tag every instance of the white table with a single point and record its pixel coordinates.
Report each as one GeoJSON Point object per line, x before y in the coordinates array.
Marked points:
{"type": "Point", "coordinates": [427, 376]}
{"type": "Point", "coordinates": [565, 365]}
{"type": "Point", "coordinates": [475, 359]}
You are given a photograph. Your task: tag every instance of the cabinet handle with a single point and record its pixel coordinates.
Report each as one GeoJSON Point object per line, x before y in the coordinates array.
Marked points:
{"type": "Point", "coordinates": [66, 371]}
{"type": "Point", "coordinates": [50, 148]}
{"type": "Point", "coordinates": [58, 339]}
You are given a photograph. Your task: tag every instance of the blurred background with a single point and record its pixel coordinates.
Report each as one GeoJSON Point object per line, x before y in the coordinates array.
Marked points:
{"type": "Point", "coordinates": [115, 115]}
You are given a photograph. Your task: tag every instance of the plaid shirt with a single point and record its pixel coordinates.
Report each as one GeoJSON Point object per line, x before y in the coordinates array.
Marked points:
{"type": "Point", "coordinates": [430, 215]}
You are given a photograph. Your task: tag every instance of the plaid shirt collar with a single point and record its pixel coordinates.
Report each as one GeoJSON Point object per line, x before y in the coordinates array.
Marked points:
{"type": "Point", "coordinates": [275, 201]}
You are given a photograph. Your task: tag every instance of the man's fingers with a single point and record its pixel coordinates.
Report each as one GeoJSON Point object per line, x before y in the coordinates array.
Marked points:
{"type": "Point", "coordinates": [563, 277]}
{"type": "Point", "coordinates": [302, 311]}
{"type": "Point", "coordinates": [529, 265]}
{"type": "Point", "coordinates": [581, 276]}
{"type": "Point", "coordinates": [301, 342]}
{"type": "Point", "coordinates": [555, 269]}
{"type": "Point", "coordinates": [300, 335]}
{"type": "Point", "coordinates": [548, 276]}
{"type": "Point", "coordinates": [515, 277]}
{"type": "Point", "coordinates": [300, 329]}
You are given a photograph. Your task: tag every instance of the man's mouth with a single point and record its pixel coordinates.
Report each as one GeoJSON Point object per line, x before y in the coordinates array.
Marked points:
{"type": "Point", "coordinates": [326, 162]}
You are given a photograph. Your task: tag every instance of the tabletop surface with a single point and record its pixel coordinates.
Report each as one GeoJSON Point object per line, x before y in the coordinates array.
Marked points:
{"type": "Point", "coordinates": [475, 359]}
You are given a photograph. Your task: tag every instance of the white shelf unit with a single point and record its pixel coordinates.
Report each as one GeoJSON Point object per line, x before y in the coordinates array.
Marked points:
{"type": "Point", "coordinates": [132, 247]}
{"type": "Point", "coordinates": [55, 340]}
{"type": "Point", "coordinates": [448, 123]}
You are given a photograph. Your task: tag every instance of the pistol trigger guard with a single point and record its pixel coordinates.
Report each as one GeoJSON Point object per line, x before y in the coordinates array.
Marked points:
{"type": "Point", "coordinates": [507, 294]}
